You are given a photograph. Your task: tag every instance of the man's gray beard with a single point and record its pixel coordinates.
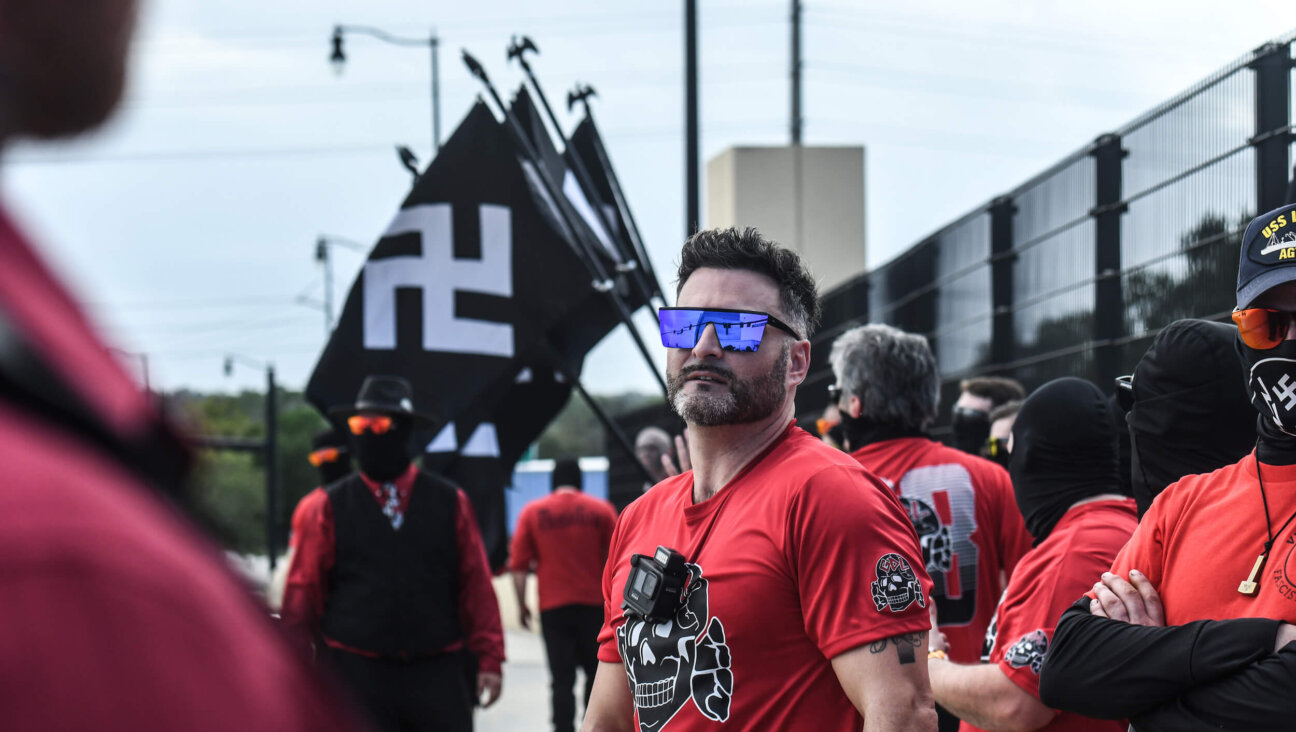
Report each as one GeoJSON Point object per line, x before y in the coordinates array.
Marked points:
{"type": "Point", "coordinates": [743, 402]}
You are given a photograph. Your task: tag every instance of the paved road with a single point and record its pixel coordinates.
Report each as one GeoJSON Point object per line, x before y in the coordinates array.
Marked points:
{"type": "Point", "coordinates": [524, 705]}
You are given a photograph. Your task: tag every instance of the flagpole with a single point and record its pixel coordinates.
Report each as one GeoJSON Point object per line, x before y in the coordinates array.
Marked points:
{"type": "Point", "coordinates": [603, 283]}
{"type": "Point", "coordinates": [517, 50]}
{"type": "Point", "coordinates": [581, 94]}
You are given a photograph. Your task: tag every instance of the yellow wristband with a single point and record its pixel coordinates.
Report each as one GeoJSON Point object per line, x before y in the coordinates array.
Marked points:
{"type": "Point", "coordinates": [936, 654]}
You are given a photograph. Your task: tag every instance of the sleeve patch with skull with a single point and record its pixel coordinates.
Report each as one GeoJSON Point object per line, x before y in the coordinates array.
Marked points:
{"type": "Point", "coordinates": [896, 586]}
{"type": "Point", "coordinates": [1029, 651]}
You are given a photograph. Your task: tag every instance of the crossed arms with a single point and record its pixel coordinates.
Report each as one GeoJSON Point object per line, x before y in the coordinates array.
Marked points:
{"type": "Point", "coordinates": [1113, 657]}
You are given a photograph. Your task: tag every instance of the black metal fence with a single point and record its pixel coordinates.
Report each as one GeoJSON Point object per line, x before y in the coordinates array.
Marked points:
{"type": "Point", "coordinates": [1076, 270]}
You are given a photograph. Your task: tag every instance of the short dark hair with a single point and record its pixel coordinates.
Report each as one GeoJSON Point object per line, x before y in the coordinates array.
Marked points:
{"type": "Point", "coordinates": [998, 389]}
{"type": "Point", "coordinates": [747, 249]}
{"type": "Point", "coordinates": [566, 472]}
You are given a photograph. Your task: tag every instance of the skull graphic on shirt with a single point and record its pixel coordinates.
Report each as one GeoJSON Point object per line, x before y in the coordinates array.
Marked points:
{"type": "Point", "coordinates": [933, 536]}
{"type": "Point", "coordinates": [1030, 651]}
{"type": "Point", "coordinates": [670, 661]}
{"type": "Point", "coordinates": [896, 587]}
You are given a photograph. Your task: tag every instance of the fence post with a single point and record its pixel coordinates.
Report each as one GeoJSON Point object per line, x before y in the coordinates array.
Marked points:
{"type": "Point", "coordinates": [1272, 67]}
{"type": "Point", "coordinates": [1109, 297]}
{"type": "Point", "coordinates": [1002, 257]}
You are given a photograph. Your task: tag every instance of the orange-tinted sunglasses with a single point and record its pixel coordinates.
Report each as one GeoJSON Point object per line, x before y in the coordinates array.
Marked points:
{"type": "Point", "coordinates": [1262, 328]}
{"type": "Point", "coordinates": [324, 455]}
{"type": "Point", "coordinates": [377, 424]}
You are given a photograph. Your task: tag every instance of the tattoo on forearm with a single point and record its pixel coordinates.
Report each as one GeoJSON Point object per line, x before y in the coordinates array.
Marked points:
{"type": "Point", "coordinates": [905, 644]}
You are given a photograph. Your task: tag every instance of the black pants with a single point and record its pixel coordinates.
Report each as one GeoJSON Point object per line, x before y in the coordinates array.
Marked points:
{"type": "Point", "coordinates": [434, 694]}
{"type": "Point", "coordinates": [571, 640]}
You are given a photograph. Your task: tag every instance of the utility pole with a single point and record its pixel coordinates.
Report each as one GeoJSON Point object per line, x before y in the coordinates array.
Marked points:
{"type": "Point", "coordinates": [272, 464]}
{"type": "Point", "coordinates": [796, 72]}
{"type": "Point", "coordinates": [692, 215]}
{"type": "Point", "coordinates": [322, 256]}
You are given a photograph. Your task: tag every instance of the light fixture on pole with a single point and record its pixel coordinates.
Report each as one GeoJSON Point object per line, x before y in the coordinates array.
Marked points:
{"type": "Point", "coordinates": [338, 59]}
{"type": "Point", "coordinates": [322, 255]}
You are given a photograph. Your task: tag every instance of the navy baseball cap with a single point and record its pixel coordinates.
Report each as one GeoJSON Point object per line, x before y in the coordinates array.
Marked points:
{"type": "Point", "coordinates": [1268, 254]}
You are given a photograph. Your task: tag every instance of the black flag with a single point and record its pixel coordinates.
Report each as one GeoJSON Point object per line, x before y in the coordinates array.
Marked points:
{"type": "Point", "coordinates": [475, 280]}
{"type": "Point", "coordinates": [586, 145]}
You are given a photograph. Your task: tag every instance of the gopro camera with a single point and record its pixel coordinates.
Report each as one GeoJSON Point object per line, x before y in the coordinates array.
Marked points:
{"type": "Point", "coordinates": [656, 584]}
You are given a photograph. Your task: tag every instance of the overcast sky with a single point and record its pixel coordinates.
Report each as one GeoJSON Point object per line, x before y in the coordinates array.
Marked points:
{"type": "Point", "coordinates": [188, 224]}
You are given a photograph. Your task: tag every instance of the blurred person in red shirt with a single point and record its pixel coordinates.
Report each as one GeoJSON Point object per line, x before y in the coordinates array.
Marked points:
{"type": "Point", "coordinates": [117, 614]}
{"type": "Point", "coordinates": [564, 538]}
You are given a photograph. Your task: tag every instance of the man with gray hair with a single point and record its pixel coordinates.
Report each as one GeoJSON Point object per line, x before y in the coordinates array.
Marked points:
{"type": "Point", "coordinates": [962, 506]}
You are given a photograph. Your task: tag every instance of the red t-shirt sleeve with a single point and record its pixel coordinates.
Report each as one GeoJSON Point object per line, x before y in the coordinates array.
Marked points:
{"type": "Point", "coordinates": [1025, 625]}
{"type": "Point", "coordinates": [1145, 551]}
{"type": "Point", "coordinates": [479, 612]}
{"type": "Point", "coordinates": [856, 562]}
{"type": "Point", "coordinates": [306, 586]}
{"type": "Point", "coordinates": [522, 551]}
{"type": "Point", "coordinates": [607, 644]}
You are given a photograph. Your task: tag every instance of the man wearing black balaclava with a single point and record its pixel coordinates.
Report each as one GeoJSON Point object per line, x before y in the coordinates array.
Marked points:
{"type": "Point", "coordinates": [396, 592]}
{"type": "Point", "coordinates": [1064, 475]}
{"type": "Point", "coordinates": [1216, 545]}
{"type": "Point", "coordinates": [1190, 412]}
{"type": "Point", "coordinates": [978, 397]}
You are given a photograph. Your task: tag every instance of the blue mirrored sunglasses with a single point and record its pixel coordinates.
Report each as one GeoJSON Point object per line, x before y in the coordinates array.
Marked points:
{"type": "Point", "coordinates": [737, 330]}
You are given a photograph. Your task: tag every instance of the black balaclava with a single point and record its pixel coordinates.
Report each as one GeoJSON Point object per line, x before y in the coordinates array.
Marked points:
{"type": "Point", "coordinates": [1191, 412]}
{"type": "Point", "coordinates": [1124, 450]}
{"type": "Point", "coordinates": [971, 430]}
{"type": "Point", "coordinates": [1064, 450]}
{"type": "Point", "coordinates": [861, 431]}
{"type": "Point", "coordinates": [385, 457]}
{"type": "Point", "coordinates": [338, 469]}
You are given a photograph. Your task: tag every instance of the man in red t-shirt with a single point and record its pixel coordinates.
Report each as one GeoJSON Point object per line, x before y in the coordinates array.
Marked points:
{"type": "Point", "coordinates": [961, 505]}
{"type": "Point", "coordinates": [115, 613]}
{"type": "Point", "coordinates": [1065, 478]}
{"type": "Point", "coordinates": [802, 599]}
{"type": "Point", "coordinates": [564, 538]}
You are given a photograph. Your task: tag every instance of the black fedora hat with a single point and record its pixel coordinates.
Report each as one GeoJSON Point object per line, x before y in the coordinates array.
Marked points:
{"type": "Point", "coordinates": [385, 395]}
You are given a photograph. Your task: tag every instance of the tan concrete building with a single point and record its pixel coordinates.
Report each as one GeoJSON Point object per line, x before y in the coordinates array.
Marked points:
{"type": "Point", "coordinates": [810, 199]}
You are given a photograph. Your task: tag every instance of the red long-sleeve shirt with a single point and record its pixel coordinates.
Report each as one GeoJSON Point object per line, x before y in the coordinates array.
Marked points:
{"type": "Point", "coordinates": [307, 589]}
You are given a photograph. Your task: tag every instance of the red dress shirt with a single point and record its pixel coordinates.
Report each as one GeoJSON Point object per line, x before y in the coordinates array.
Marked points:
{"type": "Point", "coordinates": [306, 589]}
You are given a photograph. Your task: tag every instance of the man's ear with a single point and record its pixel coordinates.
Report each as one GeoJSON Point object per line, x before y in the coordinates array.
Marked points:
{"type": "Point", "coordinates": [798, 363]}
{"type": "Point", "coordinates": [854, 406]}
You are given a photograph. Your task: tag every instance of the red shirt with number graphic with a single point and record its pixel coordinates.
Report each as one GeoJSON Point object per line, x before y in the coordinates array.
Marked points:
{"type": "Point", "coordinates": [968, 524]}
{"type": "Point", "coordinates": [805, 556]}
{"type": "Point", "coordinates": [1045, 583]}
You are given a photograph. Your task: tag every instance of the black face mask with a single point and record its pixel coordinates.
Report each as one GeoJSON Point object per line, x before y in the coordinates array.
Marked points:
{"type": "Point", "coordinates": [1064, 450]}
{"type": "Point", "coordinates": [861, 431]}
{"type": "Point", "coordinates": [384, 457]}
{"type": "Point", "coordinates": [1271, 386]}
{"type": "Point", "coordinates": [971, 429]}
{"type": "Point", "coordinates": [337, 470]}
{"type": "Point", "coordinates": [996, 451]}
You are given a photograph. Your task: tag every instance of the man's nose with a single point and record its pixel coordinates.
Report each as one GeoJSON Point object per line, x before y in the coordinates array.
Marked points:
{"type": "Point", "coordinates": [708, 342]}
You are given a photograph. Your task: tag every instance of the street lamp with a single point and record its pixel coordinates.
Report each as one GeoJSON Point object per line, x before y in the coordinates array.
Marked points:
{"type": "Point", "coordinates": [322, 244]}
{"type": "Point", "coordinates": [271, 446]}
{"type": "Point", "coordinates": [338, 59]}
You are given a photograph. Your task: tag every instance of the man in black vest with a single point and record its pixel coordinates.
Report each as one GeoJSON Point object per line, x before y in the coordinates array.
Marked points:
{"type": "Point", "coordinates": [390, 577]}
